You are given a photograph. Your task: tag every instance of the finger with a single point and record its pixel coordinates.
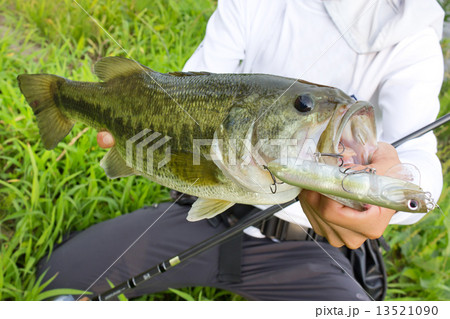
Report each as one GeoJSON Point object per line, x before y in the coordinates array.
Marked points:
{"type": "Point", "coordinates": [309, 200]}
{"type": "Point", "coordinates": [319, 226]}
{"type": "Point", "coordinates": [339, 236]}
{"type": "Point", "coordinates": [332, 222]}
{"type": "Point", "coordinates": [366, 224]}
{"type": "Point", "coordinates": [309, 210]}
{"type": "Point", "coordinates": [386, 150]}
{"type": "Point", "coordinates": [313, 198]}
{"type": "Point", "coordinates": [334, 239]}
{"type": "Point", "coordinates": [343, 225]}
{"type": "Point", "coordinates": [105, 139]}
{"type": "Point", "coordinates": [331, 235]}
{"type": "Point", "coordinates": [350, 238]}
{"type": "Point", "coordinates": [384, 158]}
{"type": "Point", "coordinates": [316, 226]}
{"type": "Point", "coordinates": [370, 223]}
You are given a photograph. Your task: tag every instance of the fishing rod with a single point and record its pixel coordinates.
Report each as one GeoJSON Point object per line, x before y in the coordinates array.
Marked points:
{"type": "Point", "coordinates": [222, 237]}
{"type": "Point", "coordinates": [440, 121]}
{"type": "Point", "coordinates": [195, 250]}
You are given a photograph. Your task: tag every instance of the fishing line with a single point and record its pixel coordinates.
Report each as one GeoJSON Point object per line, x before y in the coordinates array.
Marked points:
{"type": "Point", "coordinates": [132, 244]}
{"type": "Point", "coordinates": [192, 252]}
{"type": "Point", "coordinates": [220, 238]}
{"type": "Point", "coordinates": [137, 63]}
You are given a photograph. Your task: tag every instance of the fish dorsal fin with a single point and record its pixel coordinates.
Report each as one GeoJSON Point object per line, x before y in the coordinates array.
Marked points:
{"type": "Point", "coordinates": [115, 166]}
{"type": "Point", "coordinates": [207, 208]}
{"type": "Point", "coordinates": [114, 66]}
{"type": "Point", "coordinates": [188, 73]}
{"type": "Point", "coordinates": [405, 171]}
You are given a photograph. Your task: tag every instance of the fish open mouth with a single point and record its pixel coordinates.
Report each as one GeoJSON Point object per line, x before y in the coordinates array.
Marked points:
{"type": "Point", "coordinates": [351, 133]}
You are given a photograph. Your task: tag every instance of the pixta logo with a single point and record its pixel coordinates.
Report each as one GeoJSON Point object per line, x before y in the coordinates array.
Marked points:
{"type": "Point", "coordinates": [141, 150]}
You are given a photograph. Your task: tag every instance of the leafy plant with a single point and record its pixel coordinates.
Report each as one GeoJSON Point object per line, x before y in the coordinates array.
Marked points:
{"type": "Point", "coordinates": [44, 195]}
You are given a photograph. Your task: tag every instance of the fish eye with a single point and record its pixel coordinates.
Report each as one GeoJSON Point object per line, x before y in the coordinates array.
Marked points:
{"type": "Point", "coordinates": [304, 103]}
{"type": "Point", "coordinates": [413, 204]}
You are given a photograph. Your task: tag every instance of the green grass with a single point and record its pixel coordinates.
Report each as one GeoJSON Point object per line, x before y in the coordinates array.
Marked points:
{"type": "Point", "coordinates": [418, 265]}
{"type": "Point", "coordinates": [42, 198]}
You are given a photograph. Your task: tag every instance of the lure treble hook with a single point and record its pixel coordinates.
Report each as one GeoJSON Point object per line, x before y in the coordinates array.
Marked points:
{"type": "Point", "coordinates": [273, 187]}
{"type": "Point", "coordinates": [365, 170]}
{"type": "Point", "coordinates": [339, 155]}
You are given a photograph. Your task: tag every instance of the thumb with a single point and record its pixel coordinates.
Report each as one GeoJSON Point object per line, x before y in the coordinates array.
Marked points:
{"type": "Point", "coordinates": [105, 139]}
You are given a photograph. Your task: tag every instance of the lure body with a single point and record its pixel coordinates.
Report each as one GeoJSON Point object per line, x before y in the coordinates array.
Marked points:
{"type": "Point", "coordinates": [348, 186]}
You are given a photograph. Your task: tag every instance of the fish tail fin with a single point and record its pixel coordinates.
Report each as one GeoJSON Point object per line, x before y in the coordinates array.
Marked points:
{"type": "Point", "coordinates": [40, 92]}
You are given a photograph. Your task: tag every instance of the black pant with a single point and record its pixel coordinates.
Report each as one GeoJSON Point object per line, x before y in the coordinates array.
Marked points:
{"type": "Point", "coordinates": [289, 270]}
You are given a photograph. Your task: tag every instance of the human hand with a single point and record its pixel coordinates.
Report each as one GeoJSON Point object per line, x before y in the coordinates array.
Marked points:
{"type": "Point", "coordinates": [105, 139]}
{"type": "Point", "coordinates": [342, 225]}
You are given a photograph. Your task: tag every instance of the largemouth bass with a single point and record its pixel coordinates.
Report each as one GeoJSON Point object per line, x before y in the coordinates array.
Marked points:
{"type": "Point", "coordinates": [215, 132]}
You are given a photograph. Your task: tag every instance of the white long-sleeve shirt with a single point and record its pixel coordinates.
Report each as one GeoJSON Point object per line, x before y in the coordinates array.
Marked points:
{"type": "Point", "coordinates": [386, 52]}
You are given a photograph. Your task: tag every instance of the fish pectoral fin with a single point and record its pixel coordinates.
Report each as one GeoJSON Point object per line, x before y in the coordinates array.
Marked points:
{"type": "Point", "coordinates": [115, 166]}
{"type": "Point", "coordinates": [207, 208]}
{"type": "Point", "coordinates": [113, 66]}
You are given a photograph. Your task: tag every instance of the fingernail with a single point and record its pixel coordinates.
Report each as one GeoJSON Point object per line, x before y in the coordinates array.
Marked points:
{"type": "Point", "coordinates": [107, 139]}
